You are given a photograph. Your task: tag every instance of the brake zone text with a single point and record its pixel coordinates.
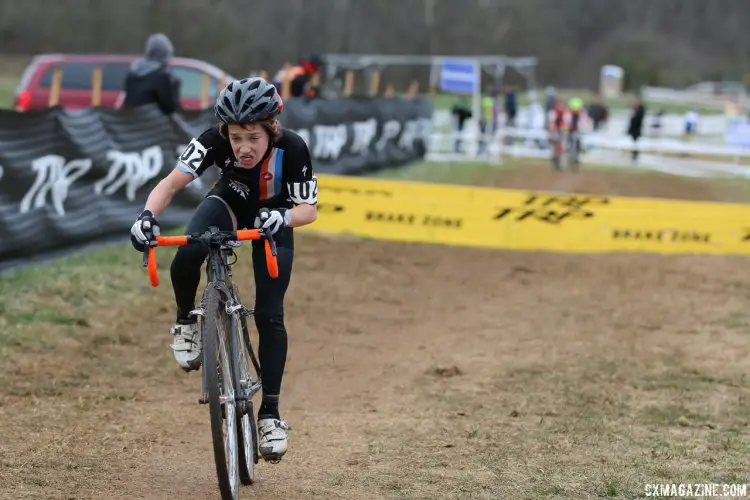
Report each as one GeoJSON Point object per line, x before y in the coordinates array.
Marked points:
{"type": "Point", "coordinates": [662, 235]}
{"type": "Point", "coordinates": [414, 219]}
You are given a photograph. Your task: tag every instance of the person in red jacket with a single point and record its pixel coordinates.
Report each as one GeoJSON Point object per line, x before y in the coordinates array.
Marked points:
{"type": "Point", "coordinates": [301, 76]}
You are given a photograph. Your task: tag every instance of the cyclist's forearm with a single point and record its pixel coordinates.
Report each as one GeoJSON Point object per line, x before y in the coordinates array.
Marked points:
{"type": "Point", "coordinates": [161, 196]}
{"type": "Point", "coordinates": [303, 215]}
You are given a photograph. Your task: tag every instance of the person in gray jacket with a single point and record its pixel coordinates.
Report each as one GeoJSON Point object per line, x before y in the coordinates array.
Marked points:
{"type": "Point", "coordinates": [149, 79]}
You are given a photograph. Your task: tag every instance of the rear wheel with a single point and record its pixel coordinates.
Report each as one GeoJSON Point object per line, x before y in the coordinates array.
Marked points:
{"type": "Point", "coordinates": [220, 390]}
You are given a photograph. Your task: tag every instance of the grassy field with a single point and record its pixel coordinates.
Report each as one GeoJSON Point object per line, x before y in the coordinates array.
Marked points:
{"type": "Point", "coordinates": [7, 92]}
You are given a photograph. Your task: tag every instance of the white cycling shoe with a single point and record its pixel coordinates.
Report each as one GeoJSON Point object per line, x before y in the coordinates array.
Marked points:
{"type": "Point", "coordinates": [187, 346]}
{"type": "Point", "coordinates": [272, 438]}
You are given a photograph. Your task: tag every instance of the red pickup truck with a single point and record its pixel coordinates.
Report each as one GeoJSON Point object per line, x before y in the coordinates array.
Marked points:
{"type": "Point", "coordinates": [77, 70]}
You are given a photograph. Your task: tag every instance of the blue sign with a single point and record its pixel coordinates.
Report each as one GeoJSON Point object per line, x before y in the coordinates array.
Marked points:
{"type": "Point", "coordinates": [459, 77]}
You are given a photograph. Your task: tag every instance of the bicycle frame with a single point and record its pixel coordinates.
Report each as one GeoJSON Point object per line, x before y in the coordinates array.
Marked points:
{"type": "Point", "coordinates": [219, 272]}
{"type": "Point", "coordinates": [225, 353]}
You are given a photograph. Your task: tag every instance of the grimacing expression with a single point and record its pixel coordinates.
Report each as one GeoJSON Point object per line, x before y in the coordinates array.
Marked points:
{"type": "Point", "coordinates": [249, 143]}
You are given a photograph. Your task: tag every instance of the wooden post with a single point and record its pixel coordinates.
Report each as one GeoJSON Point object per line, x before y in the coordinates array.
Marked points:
{"type": "Point", "coordinates": [96, 87]}
{"type": "Point", "coordinates": [349, 83]}
{"type": "Point", "coordinates": [205, 88]}
{"type": "Point", "coordinates": [286, 84]}
{"type": "Point", "coordinates": [54, 91]}
{"type": "Point", "coordinates": [375, 83]}
{"type": "Point", "coordinates": [412, 90]}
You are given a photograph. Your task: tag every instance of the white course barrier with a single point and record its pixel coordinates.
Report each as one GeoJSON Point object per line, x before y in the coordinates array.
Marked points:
{"type": "Point", "coordinates": [658, 154]}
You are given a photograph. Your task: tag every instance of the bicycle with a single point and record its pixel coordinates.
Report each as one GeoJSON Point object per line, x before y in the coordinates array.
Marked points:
{"type": "Point", "coordinates": [228, 385]}
{"type": "Point", "coordinates": [558, 148]}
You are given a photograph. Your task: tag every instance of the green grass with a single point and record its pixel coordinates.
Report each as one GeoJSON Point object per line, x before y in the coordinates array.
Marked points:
{"type": "Point", "coordinates": [463, 172]}
{"type": "Point", "coordinates": [7, 92]}
{"type": "Point", "coordinates": [444, 172]}
{"type": "Point", "coordinates": [63, 295]}
{"type": "Point", "coordinates": [473, 172]}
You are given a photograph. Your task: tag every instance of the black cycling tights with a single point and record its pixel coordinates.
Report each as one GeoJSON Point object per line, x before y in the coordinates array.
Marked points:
{"type": "Point", "coordinates": [269, 294]}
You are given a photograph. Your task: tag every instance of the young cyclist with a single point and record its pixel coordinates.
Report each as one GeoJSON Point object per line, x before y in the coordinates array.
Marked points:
{"type": "Point", "coordinates": [262, 165]}
{"type": "Point", "coordinates": [575, 117]}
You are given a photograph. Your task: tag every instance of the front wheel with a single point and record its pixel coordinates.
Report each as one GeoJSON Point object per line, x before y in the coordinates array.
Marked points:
{"type": "Point", "coordinates": [246, 431]}
{"type": "Point", "coordinates": [220, 390]}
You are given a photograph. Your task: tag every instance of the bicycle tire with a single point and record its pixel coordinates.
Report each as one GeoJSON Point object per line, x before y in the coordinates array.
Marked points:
{"type": "Point", "coordinates": [219, 383]}
{"type": "Point", "coordinates": [246, 433]}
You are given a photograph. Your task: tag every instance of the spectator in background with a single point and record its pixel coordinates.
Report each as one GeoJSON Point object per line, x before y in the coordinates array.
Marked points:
{"type": "Point", "coordinates": [488, 121]}
{"type": "Point", "coordinates": [149, 79]}
{"type": "Point", "coordinates": [301, 76]}
{"type": "Point", "coordinates": [461, 112]}
{"type": "Point", "coordinates": [576, 115]}
{"type": "Point", "coordinates": [598, 112]}
{"type": "Point", "coordinates": [550, 100]}
{"type": "Point", "coordinates": [691, 123]}
{"type": "Point", "coordinates": [635, 128]}
{"type": "Point", "coordinates": [511, 106]}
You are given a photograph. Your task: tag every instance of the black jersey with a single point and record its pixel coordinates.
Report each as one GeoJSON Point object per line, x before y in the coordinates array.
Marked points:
{"type": "Point", "coordinates": [283, 178]}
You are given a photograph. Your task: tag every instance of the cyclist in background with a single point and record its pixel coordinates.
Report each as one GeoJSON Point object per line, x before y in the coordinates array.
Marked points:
{"type": "Point", "coordinates": [556, 127]}
{"type": "Point", "coordinates": [262, 166]}
{"type": "Point", "coordinates": [573, 143]}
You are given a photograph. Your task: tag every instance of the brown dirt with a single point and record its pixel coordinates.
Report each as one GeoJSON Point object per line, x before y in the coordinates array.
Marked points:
{"type": "Point", "coordinates": [414, 371]}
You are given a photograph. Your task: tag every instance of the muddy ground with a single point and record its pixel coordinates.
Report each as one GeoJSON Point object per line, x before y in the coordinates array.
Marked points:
{"type": "Point", "coordinates": [414, 371]}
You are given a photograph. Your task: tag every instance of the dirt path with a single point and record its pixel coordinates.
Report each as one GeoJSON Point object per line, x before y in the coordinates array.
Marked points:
{"type": "Point", "coordinates": [414, 372]}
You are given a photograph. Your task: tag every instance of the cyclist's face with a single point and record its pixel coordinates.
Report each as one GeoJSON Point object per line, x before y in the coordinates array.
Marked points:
{"type": "Point", "coordinates": [249, 143]}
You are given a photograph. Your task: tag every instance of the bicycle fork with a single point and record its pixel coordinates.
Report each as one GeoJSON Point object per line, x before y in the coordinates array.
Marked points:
{"type": "Point", "coordinates": [244, 389]}
{"type": "Point", "coordinates": [204, 386]}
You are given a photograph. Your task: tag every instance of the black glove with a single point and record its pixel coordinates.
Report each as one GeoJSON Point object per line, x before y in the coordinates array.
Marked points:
{"type": "Point", "coordinates": [144, 230]}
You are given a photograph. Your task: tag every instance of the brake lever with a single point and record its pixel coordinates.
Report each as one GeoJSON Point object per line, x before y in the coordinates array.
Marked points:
{"type": "Point", "coordinates": [149, 244]}
{"type": "Point", "coordinates": [271, 242]}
